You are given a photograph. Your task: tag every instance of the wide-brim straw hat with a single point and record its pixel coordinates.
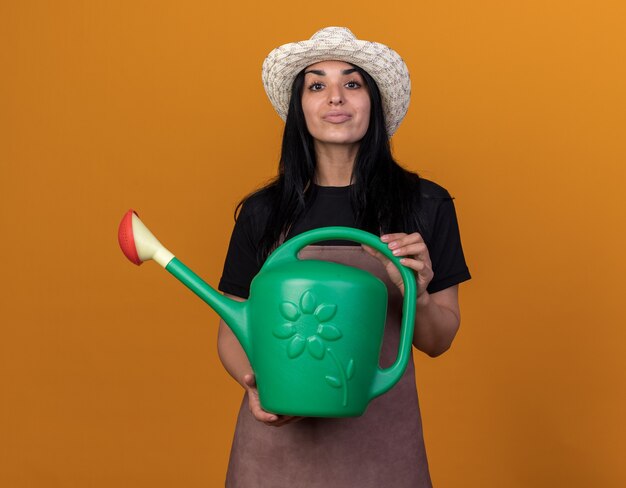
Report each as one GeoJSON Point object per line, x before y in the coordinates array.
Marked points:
{"type": "Point", "coordinates": [382, 63]}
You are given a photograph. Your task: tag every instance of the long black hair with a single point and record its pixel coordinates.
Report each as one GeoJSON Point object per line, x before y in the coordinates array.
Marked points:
{"type": "Point", "coordinates": [384, 196]}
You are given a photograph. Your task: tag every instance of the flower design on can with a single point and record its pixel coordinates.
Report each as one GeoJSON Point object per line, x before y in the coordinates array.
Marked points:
{"type": "Point", "coordinates": [308, 327]}
{"type": "Point", "coordinates": [307, 332]}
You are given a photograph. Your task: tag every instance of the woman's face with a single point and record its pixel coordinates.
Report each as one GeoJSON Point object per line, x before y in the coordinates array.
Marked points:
{"type": "Point", "coordinates": [336, 103]}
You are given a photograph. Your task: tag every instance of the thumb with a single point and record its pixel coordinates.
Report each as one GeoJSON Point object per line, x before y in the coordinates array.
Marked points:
{"type": "Point", "coordinates": [370, 250]}
{"type": "Point", "coordinates": [249, 380]}
{"type": "Point", "coordinates": [377, 254]}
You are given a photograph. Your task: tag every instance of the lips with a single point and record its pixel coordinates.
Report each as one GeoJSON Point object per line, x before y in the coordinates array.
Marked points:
{"type": "Point", "coordinates": [336, 117]}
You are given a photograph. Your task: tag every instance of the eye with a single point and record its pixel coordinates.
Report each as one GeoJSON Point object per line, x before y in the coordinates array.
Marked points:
{"type": "Point", "coordinates": [316, 86]}
{"type": "Point", "coordinates": [353, 84]}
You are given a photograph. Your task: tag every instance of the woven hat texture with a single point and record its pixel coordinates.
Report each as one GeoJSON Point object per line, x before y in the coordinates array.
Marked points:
{"type": "Point", "coordinates": [382, 63]}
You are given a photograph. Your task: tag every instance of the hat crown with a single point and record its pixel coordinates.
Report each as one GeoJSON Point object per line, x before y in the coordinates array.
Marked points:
{"type": "Point", "coordinates": [342, 33]}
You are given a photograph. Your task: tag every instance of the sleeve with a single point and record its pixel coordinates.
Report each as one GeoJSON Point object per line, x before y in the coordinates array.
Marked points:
{"type": "Point", "coordinates": [445, 249]}
{"type": "Point", "coordinates": [241, 264]}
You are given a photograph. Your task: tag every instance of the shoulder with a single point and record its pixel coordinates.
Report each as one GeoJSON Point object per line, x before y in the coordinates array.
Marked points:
{"type": "Point", "coordinates": [434, 205]}
{"type": "Point", "coordinates": [257, 205]}
{"type": "Point", "coordinates": [430, 190]}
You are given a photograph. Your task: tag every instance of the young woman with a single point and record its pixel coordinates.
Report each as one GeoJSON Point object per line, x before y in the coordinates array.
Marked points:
{"type": "Point", "coordinates": [342, 99]}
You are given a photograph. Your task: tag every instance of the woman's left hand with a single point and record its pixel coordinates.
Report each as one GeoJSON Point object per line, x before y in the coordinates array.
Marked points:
{"type": "Point", "coordinates": [413, 252]}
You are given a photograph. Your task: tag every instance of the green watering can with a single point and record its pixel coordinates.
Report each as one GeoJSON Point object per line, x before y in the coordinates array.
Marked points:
{"type": "Point", "coordinates": [312, 330]}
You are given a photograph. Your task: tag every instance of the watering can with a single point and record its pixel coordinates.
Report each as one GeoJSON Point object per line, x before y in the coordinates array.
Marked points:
{"type": "Point", "coordinates": [312, 330]}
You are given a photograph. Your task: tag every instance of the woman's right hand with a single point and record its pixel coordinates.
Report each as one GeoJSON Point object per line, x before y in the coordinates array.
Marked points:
{"type": "Point", "coordinates": [254, 404]}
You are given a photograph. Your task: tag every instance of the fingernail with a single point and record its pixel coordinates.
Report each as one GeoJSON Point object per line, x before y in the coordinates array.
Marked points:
{"type": "Point", "coordinates": [392, 245]}
{"type": "Point", "coordinates": [384, 238]}
{"type": "Point", "coordinates": [396, 252]}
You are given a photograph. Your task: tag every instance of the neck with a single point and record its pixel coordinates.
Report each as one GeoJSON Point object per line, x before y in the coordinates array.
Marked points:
{"type": "Point", "coordinates": [335, 163]}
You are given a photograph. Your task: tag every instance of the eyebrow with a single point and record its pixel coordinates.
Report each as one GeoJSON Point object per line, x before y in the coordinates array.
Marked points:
{"type": "Point", "coordinates": [320, 72]}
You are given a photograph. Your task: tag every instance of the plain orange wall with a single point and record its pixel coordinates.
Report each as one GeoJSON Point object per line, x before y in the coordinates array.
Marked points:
{"type": "Point", "coordinates": [109, 374]}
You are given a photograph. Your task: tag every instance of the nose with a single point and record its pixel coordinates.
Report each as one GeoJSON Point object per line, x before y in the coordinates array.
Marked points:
{"type": "Point", "coordinates": [335, 96]}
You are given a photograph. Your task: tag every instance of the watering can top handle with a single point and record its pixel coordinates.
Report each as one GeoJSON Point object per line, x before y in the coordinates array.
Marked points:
{"type": "Point", "coordinates": [289, 250]}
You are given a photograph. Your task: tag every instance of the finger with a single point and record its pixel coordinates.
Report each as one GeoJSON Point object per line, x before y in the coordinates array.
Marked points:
{"type": "Point", "coordinates": [377, 254]}
{"type": "Point", "coordinates": [414, 264]}
{"type": "Point", "coordinates": [261, 415]}
{"type": "Point", "coordinates": [416, 249]}
{"type": "Point", "coordinates": [254, 403]}
{"type": "Point", "coordinates": [370, 250]}
{"type": "Point", "coordinates": [405, 239]}
{"type": "Point", "coordinates": [284, 420]}
{"type": "Point", "coordinates": [392, 237]}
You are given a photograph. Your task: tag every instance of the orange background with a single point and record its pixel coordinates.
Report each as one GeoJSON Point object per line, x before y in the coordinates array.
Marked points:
{"type": "Point", "coordinates": [109, 374]}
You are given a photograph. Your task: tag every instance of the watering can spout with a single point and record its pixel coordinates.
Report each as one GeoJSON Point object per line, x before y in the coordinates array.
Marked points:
{"type": "Point", "coordinates": [139, 244]}
{"type": "Point", "coordinates": [231, 311]}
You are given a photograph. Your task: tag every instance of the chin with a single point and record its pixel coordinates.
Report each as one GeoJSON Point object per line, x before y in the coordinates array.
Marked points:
{"type": "Point", "coordinates": [339, 138]}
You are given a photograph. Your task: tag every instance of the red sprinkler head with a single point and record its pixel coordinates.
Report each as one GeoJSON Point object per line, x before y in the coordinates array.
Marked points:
{"type": "Point", "coordinates": [126, 238]}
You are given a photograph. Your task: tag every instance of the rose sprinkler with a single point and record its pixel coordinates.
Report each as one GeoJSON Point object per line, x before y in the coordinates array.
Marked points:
{"type": "Point", "coordinates": [139, 244]}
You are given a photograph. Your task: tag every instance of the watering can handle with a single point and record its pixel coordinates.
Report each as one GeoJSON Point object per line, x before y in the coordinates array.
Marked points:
{"type": "Point", "coordinates": [385, 378]}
